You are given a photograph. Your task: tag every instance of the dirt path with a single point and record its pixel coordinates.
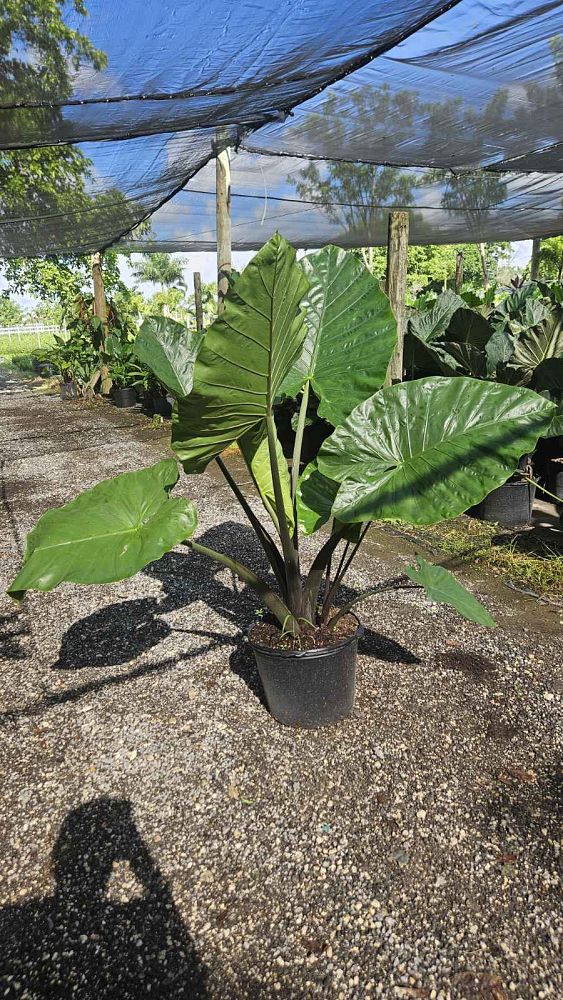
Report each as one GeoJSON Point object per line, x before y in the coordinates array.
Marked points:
{"type": "Point", "coordinates": [162, 836]}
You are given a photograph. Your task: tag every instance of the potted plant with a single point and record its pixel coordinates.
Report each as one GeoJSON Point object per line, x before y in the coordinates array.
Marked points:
{"type": "Point", "coordinates": [518, 342]}
{"type": "Point", "coordinates": [419, 451]}
{"type": "Point", "coordinates": [76, 360]}
{"type": "Point", "coordinates": [124, 371]}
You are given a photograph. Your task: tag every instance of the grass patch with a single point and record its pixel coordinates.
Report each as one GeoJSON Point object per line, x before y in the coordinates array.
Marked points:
{"type": "Point", "coordinates": [16, 353]}
{"type": "Point", "coordinates": [522, 557]}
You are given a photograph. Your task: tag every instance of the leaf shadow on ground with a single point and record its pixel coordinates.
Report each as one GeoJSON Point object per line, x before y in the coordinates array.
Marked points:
{"type": "Point", "coordinates": [121, 632]}
{"type": "Point", "coordinates": [94, 940]}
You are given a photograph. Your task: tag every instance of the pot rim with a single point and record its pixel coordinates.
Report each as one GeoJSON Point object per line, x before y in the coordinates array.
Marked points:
{"type": "Point", "coordinates": [307, 654]}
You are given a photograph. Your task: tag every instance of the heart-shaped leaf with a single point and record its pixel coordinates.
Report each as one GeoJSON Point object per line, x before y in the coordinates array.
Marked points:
{"type": "Point", "coordinates": [107, 533]}
{"type": "Point", "coordinates": [351, 334]}
{"type": "Point", "coordinates": [427, 450]}
{"type": "Point", "coordinates": [441, 586]}
{"type": "Point", "coordinates": [170, 350]}
{"type": "Point", "coordinates": [433, 323]}
{"type": "Point", "coordinates": [245, 357]}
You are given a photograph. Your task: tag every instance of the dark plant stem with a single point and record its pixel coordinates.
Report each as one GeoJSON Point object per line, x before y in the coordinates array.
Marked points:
{"type": "Point", "coordinates": [316, 573]}
{"type": "Point", "coordinates": [329, 598]}
{"type": "Point", "coordinates": [373, 591]}
{"type": "Point", "coordinates": [267, 595]}
{"type": "Point", "coordinates": [267, 542]}
{"type": "Point", "coordinates": [290, 554]}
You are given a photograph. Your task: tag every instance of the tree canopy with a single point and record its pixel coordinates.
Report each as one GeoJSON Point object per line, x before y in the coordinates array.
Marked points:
{"type": "Point", "coordinates": [51, 179]}
{"type": "Point", "coordinates": [160, 269]}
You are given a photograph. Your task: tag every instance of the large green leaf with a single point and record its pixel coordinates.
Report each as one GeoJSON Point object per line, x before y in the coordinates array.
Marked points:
{"type": "Point", "coordinates": [499, 349]}
{"type": "Point", "coordinates": [427, 326]}
{"type": "Point", "coordinates": [539, 342]}
{"type": "Point", "coordinates": [465, 358]}
{"type": "Point", "coordinates": [244, 358]}
{"type": "Point", "coordinates": [468, 327]}
{"type": "Point", "coordinates": [427, 450]}
{"type": "Point", "coordinates": [170, 350]}
{"type": "Point", "coordinates": [549, 375]}
{"type": "Point", "coordinates": [351, 334]}
{"type": "Point", "coordinates": [256, 453]}
{"type": "Point", "coordinates": [442, 586]}
{"type": "Point", "coordinates": [107, 533]}
{"type": "Point", "coordinates": [548, 379]}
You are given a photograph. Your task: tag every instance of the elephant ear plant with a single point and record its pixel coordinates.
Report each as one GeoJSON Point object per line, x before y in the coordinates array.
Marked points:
{"type": "Point", "coordinates": [421, 452]}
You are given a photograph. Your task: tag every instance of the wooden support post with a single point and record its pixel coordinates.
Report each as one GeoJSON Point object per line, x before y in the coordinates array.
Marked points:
{"type": "Point", "coordinates": [101, 310]}
{"type": "Point", "coordinates": [100, 303]}
{"type": "Point", "coordinates": [198, 301]}
{"type": "Point", "coordinates": [459, 271]}
{"type": "Point", "coordinates": [484, 268]}
{"type": "Point", "coordinates": [223, 213]}
{"type": "Point", "coordinates": [396, 286]}
{"type": "Point", "coordinates": [535, 261]}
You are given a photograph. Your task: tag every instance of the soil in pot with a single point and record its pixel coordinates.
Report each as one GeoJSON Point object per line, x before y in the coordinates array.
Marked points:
{"type": "Point", "coordinates": [311, 686]}
{"type": "Point", "coordinates": [68, 390]}
{"type": "Point", "coordinates": [125, 397]}
{"type": "Point", "coordinates": [509, 505]}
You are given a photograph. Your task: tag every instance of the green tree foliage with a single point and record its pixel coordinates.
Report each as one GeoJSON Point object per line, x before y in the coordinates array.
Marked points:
{"type": "Point", "coordinates": [161, 269]}
{"type": "Point", "coordinates": [433, 264]}
{"type": "Point", "coordinates": [52, 179]}
{"type": "Point", "coordinates": [11, 314]}
{"type": "Point", "coordinates": [551, 259]}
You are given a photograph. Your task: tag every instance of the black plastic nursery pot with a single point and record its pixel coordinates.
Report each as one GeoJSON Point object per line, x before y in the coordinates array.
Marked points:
{"type": "Point", "coordinates": [309, 688]}
{"type": "Point", "coordinates": [125, 397]}
{"type": "Point", "coordinates": [162, 405]}
{"type": "Point", "coordinates": [68, 390]}
{"type": "Point", "coordinates": [45, 368]}
{"type": "Point", "coordinates": [509, 505]}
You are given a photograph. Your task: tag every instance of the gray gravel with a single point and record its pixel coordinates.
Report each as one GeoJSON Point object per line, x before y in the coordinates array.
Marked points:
{"type": "Point", "coordinates": [162, 836]}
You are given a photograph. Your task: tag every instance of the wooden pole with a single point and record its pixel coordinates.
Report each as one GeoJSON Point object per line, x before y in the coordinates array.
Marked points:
{"type": "Point", "coordinates": [396, 286]}
{"type": "Point", "coordinates": [535, 261]}
{"type": "Point", "coordinates": [198, 301]}
{"type": "Point", "coordinates": [101, 310]}
{"type": "Point", "coordinates": [459, 271]}
{"type": "Point", "coordinates": [223, 213]}
{"type": "Point", "coordinates": [484, 267]}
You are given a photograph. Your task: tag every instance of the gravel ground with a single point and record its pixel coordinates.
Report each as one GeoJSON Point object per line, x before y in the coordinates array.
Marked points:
{"type": "Point", "coordinates": [162, 836]}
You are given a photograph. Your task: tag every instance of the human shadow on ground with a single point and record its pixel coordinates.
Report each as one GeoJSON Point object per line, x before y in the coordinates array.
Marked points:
{"type": "Point", "coordinates": [84, 943]}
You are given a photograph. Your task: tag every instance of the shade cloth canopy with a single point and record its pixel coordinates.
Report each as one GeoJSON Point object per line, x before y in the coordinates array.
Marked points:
{"type": "Point", "coordinates": [111, 115]}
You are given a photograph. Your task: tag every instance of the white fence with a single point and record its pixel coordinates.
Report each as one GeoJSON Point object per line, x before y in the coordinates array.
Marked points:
{"type": "Point", "coordinates": [36, 329]}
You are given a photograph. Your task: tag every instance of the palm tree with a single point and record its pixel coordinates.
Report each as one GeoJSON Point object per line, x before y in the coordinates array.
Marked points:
{"type": "Point", "coordinates": [161, 269]}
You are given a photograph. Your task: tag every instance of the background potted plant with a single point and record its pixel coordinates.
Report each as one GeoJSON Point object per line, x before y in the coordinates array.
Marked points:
{"type": "Point", "coordinates": [76, 360]}
{"type": "Point", "coordinates": [517, 340]}
{"type": "Point", "coordinates": [419, 451]}
{"type": "Point", "coordinates": [126, 374]}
